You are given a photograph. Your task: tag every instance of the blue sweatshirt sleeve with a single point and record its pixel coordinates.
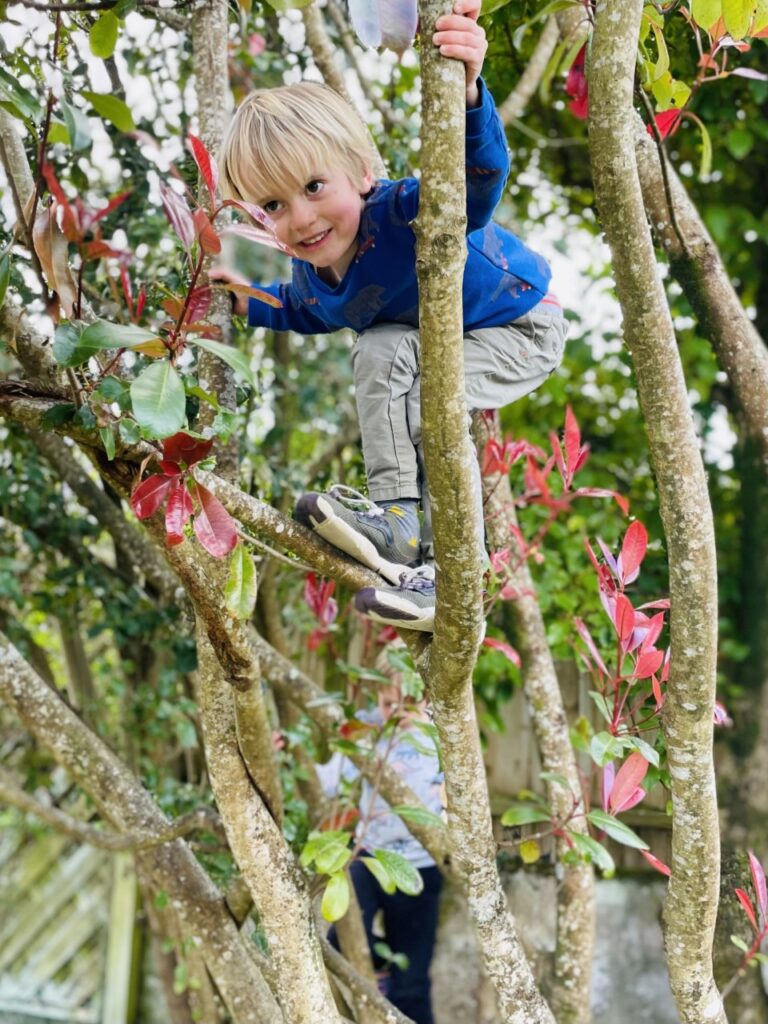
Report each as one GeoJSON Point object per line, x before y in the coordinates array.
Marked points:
{"type": "Point", "coordinates": [487, 160]}
{"type": "Point", "coordinates": [294, 315]}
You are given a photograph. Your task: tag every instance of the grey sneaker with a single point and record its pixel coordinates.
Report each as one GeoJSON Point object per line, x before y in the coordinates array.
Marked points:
{"type": "Point", "coordinates": [383, 537]}
{"type": "Point", "coordinates": [410, 605]}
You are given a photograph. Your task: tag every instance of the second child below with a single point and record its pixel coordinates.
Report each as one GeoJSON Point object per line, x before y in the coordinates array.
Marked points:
{"type": "Point", "coordinates": [301, 154]}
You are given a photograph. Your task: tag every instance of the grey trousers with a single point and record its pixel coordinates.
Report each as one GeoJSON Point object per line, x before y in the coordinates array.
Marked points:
{"type": "Point", "coordinates": [501, 364]}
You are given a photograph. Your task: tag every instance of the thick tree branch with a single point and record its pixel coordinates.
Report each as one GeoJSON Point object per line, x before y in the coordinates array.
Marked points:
{"type": "Point", "coordinates": [691, 905]}
{"type": "Point", "coordinates": [575, 929]}
{"type": "Point", "coordinates": [366, 995]}
{"type": "Point", "coordinates": [202, 819]}
{"type": "Point", "coordinates": [514, 105]}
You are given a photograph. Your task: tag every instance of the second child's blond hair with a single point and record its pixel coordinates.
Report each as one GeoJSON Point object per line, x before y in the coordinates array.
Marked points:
{"type": "Point", "coordinates": [282, 137]}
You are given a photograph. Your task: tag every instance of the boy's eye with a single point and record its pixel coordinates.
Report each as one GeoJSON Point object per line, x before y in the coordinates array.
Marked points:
{"type": "Point", "coordinates": [315, 186]}
{"type": "Point", "coordinates": [272, 206]}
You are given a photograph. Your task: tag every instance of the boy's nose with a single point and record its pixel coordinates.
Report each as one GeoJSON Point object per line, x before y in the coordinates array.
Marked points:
{"type": "Point", "coordinates": [303, 216]}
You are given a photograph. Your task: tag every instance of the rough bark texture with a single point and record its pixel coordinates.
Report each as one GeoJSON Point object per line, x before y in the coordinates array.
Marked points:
{"type": "Point", "coordinates": [569, 993]}
{"type": "Point", "coordinates": [514, 105]}
{"type": "Point", "coordinates": [277, 885]}
{"type": "Point", "coordinates": [170, 868]}
{"type": "Point", "coordinates": [685, 510]}
{"type": "Point", "coordinates": [440, 252]}
{"type": "Point", "coordinates": [695, 262]}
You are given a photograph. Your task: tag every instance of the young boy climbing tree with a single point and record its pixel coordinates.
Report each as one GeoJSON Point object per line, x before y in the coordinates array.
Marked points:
{"type": "Point", "coordinates": [300, 153]}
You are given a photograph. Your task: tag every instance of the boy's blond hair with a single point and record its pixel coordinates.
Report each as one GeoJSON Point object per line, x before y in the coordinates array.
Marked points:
{"type": "Point", "coordinates": [282, 137]}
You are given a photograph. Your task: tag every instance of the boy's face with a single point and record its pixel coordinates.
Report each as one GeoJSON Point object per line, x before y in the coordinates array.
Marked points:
{"type": "Point", "coordinates": [320, 220]}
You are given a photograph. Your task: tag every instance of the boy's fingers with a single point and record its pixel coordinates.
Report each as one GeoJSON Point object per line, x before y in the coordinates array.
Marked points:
{"type": "Point", "coordinates": [467, 8]}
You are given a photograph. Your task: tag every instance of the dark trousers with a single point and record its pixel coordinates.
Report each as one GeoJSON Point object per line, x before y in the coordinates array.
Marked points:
{"type": "Point", "coordinates": [410, 926]}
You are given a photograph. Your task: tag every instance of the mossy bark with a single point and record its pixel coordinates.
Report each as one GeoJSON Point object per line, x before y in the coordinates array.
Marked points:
{"type": "Point", "coordinates": [440, 256]}
{"type": "Point", "coordinates": [686, 513]}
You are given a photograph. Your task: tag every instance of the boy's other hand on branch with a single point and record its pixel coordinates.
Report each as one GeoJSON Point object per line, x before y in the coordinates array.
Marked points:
{"type": "Point", "coordinates": [230, 276]}
{"type": "Point", "coordinates": [459, 36]}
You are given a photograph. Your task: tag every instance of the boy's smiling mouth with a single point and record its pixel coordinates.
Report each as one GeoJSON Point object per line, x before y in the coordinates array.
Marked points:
{"type": "Point", "coordinates": [315, 240]}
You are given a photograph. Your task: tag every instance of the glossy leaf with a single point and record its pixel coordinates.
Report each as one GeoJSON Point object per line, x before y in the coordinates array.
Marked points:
{"type": "Point", "coordinates": [107, 435]}
{"type": "Point", "coordinates": [158, 400]}
{"type": "Point", "coordinates": [624, 620]}
{"type": "Point", "coordinates": [401, 871]}
{"type": "Point", "coordinates": [112, 109]}
{"type": "Point", "coordinates": [746, 903]}
{"type": "Point", "coordinates": [596, 852]}
{"type": "Point", "coordinates": [616, 830]}
{"type": "Point", "coordinates": [758, 880]}
{"type": "Point", "coordinates": [179, 216]}
{"type": "Point", "coordinates": [78, 126]}
{"type": "Point", "coordinates": [185, 450]}
{"type": "Point", "coordinates": [648, 663]}
{"type": "Point", "coordinates": [206, 164]}
{"type": "Point", "coordinates": [506, 649]}
{"type": "Point", "coordinates": [214, 526]}
{"type": "Point", "coordinates": [706, 12]}
{"type": "Point", "coordinates": [240, 588]}
{"type": "Point", "coordinates": [5, 275]}
{"type": "Point", "coordinates": [633, 550]}
{"type": "Point", "coordinates": [149, 495]}
{"type": "Point", "coordinates": [231, 356]}
{"type": "Point", "coordinates": [53, 252]}
{"type": "Point", "coordinates": [103, 334]}
{"type": "Point", "coordinates": [626, 791]}
{"type": "Point", "coordinates": [524, 814]}
{"type": "Point", "coordinates": [657, 864]}
{"type": "Point", "coordinates": [737, 15]}
{"type": "Point", "coordinates": [22, 102]}
{"type": "Point", "coordinates": [380, 873]}
{"type": "Point", "coordinates": [103, 35]}
{"type": "Point", "coordinates": [389, 23]}
{"type": "Point", "coordinates": [335, 901]}
{"type": "Point", "coordinates": [252, 292]}
{"type": "Point", "coordinates": [206, 233]}
{"type": "Point", "coordinates": [177, 511]}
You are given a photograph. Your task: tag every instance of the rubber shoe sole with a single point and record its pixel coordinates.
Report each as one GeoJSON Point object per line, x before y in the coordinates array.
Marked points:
{"type": "Point", "coordinates": [317, 513]}
{"type": "Point", "coordinates": [392, 609]}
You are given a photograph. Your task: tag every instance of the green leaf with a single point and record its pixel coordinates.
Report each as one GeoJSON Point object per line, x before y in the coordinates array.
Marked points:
{"type": "Point", "coordinates": [112, 109]}
{"type": "Point", "coordinates": [523, 814]}
{"type": "Point", "coordinates": [669, 93]}
{"type": "Point", "coordinates": [237, 360]}
{"type": "Point", "coordinates": [650, 753]}
{"type": "Point", "coordinates": [706, 12]}
{"type": "Point", "coordinates": [617, 830]}
{"type": "Point", "coordinates": [78, 126]}
{"type": "Point", "coordinates": [605, 748]}
{"type": "Point", "coordinates": [597, 854]}
{"type": "Point", "coordinates": [19, 101]}
{"type": "Point", "coordinates": [739, 142]}
{"type": "Point", "coordinates": [706, 150]}
{"type": "Point", "coordinates": [130, 432]}
{"type": "Point", "coordinates": [520, 31]}
{"type": "Point", "coordinates": [107, 436]}
{"type": "Point", "coordinates": [103, 35]}
{"type": "Point", "coordinates": [737, 15]}
{"type": "Point", "coordinates": [336, 897]}
{"type": "Point", "coordinates": [57, 415]}
{"type": "Point", "coordinates": [419, 815]}
{"type": "Point", "coordinates": [402, 872]}
{"type": "Point", "coordinates": [68, 347]}
{"type": "Point", "coordinates": [740, 943]}
{"type": "Point", "coordinates": [380, 873]}
{"type": "Point", "coordinates": [158, 400]}
{"type": "Point", "coordinates": [58, 132]}
{"type": "Point", "coordinates": [334, 857]}
{"type": "Point", "coordinates": [104, 334]}
{"type": "Point", "coordinates": [111, 389]}
{"type": "Point", "coordinates": [317, 843]}
{"type": "Point", "coordinates": [240, 588]}
{"type": "Point", "coordinates": [5, 275]}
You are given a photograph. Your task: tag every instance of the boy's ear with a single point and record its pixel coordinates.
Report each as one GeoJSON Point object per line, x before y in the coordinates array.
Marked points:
{"type": "Point", "coordinates": [367, 181]}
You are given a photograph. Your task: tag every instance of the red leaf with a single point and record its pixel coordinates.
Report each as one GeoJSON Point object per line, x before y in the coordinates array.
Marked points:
{"type": "Point", "coordinates": [633, 551]}
{"type": "Point", "coordinates": [624, 620]}
{"type": "Point", "coordinates": [576, 85]}
{"type": "Point", "coordinates": [199, 303]}
{"type": "Point", "coordinates": [602, 492]}
{"type": "Point", "coordinates": [658, 696]}
{"type": "Point", "coordinates": [149, 495]}
{"type": "Point", "coordinates": [70, 222]}
{"type": "Point", "coordinates": [206, 165]}
{"type": "Point", "coordinates": [505, 648]}
{"type": "Point", "coordinates": [177, 512]}
{"type": "Point", "coordinates": [627, 782]}
{"type": "Point", "coordinates": [758, 880]}
{"type": "Point", "coordinates": [318, 595]}
{"type": "Point", "coordinates": [668, 121]}
{"type": "Point", "coordinates": [572, 440]}
{"type": "Point", "coordinates": [656, 863]}
{"type": "Point", "coordinates": [648, 663]}
{"type": "Point", "coordinates": [746, 903]}
{"type": "Point", "coordinates": [111, 205]}
{"type": "Point", "coordinates": [185, 450]}
{"type": "Point", "coordinates": [586, 636]}
{"type": "Point", "coordinates": [177, 212]}
{"type": "Point", "coordinates": [214, 526]}
{"type": "Point", "coordinates": [206, 233]}
{"type": "Point", "coordinates": [97, 249]}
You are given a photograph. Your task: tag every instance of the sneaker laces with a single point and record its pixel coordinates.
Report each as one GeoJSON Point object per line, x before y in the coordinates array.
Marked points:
{"type": "Point", "coordinates": [355, 500]}
{"type": "Point", "coordinates": [420, 578]}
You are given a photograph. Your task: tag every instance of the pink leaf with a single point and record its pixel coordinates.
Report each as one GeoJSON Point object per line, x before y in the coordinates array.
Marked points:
{"type": "Point", "coordinates": [648, 663]}
{"type": "Point", "coordinates": [653, 631]}
{"type": "Point", "coordinates": [505, 648]}
{"type": "Point", "coordinates": [633, 551]}
{"type": "Point", "coordinates": [177, 512]}
{"type": "Point", "coordinates": [624, 619]}
{"type": "Point", "coordinates": [606, 783]}
{"type": "Point", "coordinates": [746, 903]}
{"type": "Point", "coordinates": [586, 636]}
{"type": "Point", "coordinates": [656, 863]}
{"type": "Point", "coordinates": [758, 880]}
{"type": "Point", "coordinates": [177, 212]}
{"type": "Point", "coordinates": [572, 439]}
{"type": "Point", "coordinates": [149, 495]}
{"type": "Point", "coordinates": [628, 779]}
{"type": "Point", "coordinates": [720, 714]}
{"type": "Point", "coordinates": [199, 303]}
{"type": "Point", "coordinates": [206, 233]}
{"type": "Point", "coordinates": [658, 696]}
{"type": "Point", "coordinates": [576, 85]}
{"type": "Point", "coordinates": [206, 165]}
{"type": "Point", "coordinates": [667, 122]}
{"type": "Point", "coordinates": [214, 526]}
{"type": "Point", "coordinates": [602, 492]}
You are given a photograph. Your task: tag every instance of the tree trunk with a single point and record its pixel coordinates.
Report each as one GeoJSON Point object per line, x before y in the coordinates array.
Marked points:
{"type": "Point", "coordinates": [452, 481]}
{"type": "Point", "coordinates": [686, 514]}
